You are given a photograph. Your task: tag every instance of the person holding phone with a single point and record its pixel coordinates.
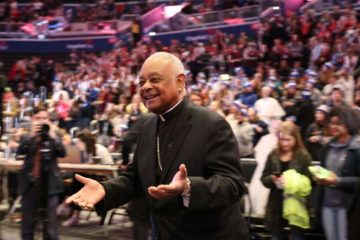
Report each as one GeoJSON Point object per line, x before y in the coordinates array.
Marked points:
{"type": "Point", "coordinates": [289, 154]}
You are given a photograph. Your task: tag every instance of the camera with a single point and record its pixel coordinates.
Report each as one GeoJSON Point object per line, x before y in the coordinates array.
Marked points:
{"type": "Point", "coordinates": [44, 132]}
{"type": "Point", "coordinates": [45, 147]}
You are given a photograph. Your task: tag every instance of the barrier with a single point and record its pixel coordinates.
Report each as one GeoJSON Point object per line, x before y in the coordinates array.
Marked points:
{"type": "Point", "coordinates": [93, 44]}
{"type": "Point", "coordinates": [12, 165]}
{"type": "Point", "coordinates": [205, 34]}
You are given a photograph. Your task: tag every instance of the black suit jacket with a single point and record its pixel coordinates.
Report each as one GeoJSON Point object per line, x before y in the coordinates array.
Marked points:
{"type": "Point", "coordinates": [205, 143]}
{"type": "Point", "coordinates": [28, 148]}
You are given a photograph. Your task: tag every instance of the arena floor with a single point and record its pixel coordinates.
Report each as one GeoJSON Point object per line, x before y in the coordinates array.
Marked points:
{"type": "Point", "coordinates": [88, 228]}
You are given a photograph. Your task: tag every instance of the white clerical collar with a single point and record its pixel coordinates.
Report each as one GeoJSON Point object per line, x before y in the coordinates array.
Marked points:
{"type": "Point", "coordinates": [161, 115]}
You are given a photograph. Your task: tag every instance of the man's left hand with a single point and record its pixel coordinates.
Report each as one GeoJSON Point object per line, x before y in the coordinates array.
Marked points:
{"type": "Point", "coordinates": [173, 189]}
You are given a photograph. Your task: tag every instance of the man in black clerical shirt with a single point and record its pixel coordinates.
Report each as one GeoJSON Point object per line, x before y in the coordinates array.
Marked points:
{"type": "Point", "coordinates": [186, 167]}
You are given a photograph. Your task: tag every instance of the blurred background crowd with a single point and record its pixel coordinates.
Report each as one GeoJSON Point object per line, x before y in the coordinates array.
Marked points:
{"type": "Point", "coordinates": [298, 68]}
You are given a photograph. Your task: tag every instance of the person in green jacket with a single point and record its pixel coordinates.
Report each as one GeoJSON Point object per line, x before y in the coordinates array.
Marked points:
{"type": "Point", "coordinates": [290, 154]}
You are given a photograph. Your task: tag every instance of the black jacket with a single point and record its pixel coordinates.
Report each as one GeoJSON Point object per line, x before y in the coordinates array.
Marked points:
{"type": "Point", "coordinates": [27, 147]}
{"type": "Point", "coordinates": [204, 142]}
{"type": "Point", "coordinates": [273, 215]}
{"type": "Point", "coordinates": [350, 172]}
{"type": "Point", "coordinates": [354, 216]}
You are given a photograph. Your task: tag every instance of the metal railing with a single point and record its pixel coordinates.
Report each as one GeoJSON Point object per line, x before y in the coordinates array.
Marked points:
{"type": "Point", "coordinates": [221, 16]}
{"type": "Point", "coordinates": [13, 29]}
{"type": "Point", "coordinates": [208, 19]}
{"type": "Point", "coordinates": [327, 5]}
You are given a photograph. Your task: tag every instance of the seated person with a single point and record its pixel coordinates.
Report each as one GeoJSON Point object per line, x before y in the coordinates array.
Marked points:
{"type": "Point", "coordinates": [86, 143]}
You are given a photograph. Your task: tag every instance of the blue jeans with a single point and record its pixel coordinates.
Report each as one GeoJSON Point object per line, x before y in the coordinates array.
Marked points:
{"type": "Point", "coordinates": [334, 223]}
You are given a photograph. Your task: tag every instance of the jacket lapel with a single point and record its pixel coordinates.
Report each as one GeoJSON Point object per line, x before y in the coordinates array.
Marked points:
{"type": "Point", "coordinates": [146, 159]}
{"type": "Point", "coordinates": [176, 141]}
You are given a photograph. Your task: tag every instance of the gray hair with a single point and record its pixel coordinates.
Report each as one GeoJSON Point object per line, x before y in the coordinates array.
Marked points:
{"type": "Point", "coordinates": [177, 65]}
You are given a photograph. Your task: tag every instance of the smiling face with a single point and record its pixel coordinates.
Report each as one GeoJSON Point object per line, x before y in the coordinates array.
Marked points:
{"type": "Point", "coordinates": [337, 127]}
{"type": "Point", "coordinates": [162, 82]}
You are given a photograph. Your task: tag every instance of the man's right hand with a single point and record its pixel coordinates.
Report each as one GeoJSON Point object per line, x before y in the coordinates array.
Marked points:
{"type": "Point", "coordinates": [35, 128]}
{"type": "Point", "coordinates": [90, 194]}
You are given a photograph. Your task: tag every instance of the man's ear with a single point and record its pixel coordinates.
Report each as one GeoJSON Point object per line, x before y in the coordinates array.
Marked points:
{"type": "Point", "coordinates": [180, 81]}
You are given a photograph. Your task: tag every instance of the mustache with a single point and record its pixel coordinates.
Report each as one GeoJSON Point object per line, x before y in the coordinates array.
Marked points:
{"type": "Point", "coordinates": [147, 93]}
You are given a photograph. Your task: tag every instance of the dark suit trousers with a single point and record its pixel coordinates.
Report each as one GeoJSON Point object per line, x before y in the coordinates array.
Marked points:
{"type": "Point", "coordinates": [31, 216]}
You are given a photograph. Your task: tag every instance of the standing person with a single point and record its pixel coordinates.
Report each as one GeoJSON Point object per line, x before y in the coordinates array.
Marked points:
{"type": "Point", "coordinates": [130, 138]}
{"type": "Point", "coordinates": [267, 107]}
{"type": "Point", "coordinates": [354, 215]}
{"type": "Point", "coordinates": [41, 150]}
{"type": "Point", "coordinates": [260, 127]}
{"type": "Point", "coordinates": [136, 31]}
{"type": "Point", "coordinates": [186, 166]}
{"type": "Point", "coordinates": [317, 134]}
{"type": "Point", "coordinates": [305, 112]}
{"type": "Point", "coordinates": [289, 155]}
{"type": "Point", "coordinates": [244, 133]}
{"type": "Point", "coordinates": [341, 156]}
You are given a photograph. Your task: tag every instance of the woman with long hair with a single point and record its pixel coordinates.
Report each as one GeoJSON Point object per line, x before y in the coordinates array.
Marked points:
{"type": "Point", "coordinates": [341, 156]}
{"type": "Point", "coordinates": [289, 158]}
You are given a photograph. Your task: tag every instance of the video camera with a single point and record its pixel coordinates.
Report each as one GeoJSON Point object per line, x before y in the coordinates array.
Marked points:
{"type": "Point", "coordinates": [45, 146]}
{"type": "Point", "coordinates": [43, 133]}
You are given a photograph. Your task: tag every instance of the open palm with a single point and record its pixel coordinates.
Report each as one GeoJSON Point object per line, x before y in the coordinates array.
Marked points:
{"type": "Point", "coordinates": [90, 194]}
{"type": "Point", "coordinates": [172, 189]}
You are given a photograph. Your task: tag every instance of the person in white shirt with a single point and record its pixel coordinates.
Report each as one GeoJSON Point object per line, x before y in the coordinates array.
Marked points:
{"type": "Point", "coordinates": [244, 133]}
{"type": "Point", "coordinates": [267, 107]}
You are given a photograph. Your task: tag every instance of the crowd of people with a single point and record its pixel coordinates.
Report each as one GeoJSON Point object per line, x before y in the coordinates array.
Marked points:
{"type": "Point", "coordinates": [299, 79]}
{"type": "Point", "coordinates": [295, 65]}
{"type": "Point", "coordinates": [192, 6]}
{"type": "Point", "coordinates": [13, 11]}
{"type": "Point", "coordinates": [103, 9]}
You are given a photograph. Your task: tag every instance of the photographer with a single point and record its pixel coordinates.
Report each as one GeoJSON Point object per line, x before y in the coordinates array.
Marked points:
{"type": "Point", "coordinates": [41, 183]}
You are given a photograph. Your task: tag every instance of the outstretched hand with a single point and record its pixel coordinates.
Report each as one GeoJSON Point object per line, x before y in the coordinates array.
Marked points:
{"type": "Point", "coordinates": [90, 194]}
{"type": "Point", "coordinates": [330, 180]}
{"type": "Point", "coordinates": [176, 187]}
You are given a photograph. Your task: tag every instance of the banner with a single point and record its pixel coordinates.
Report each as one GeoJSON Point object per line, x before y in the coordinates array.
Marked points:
{"type": "Point", "coordinates": [57, 46]}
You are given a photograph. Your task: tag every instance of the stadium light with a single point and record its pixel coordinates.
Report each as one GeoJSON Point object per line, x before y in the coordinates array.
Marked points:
{"type": "Point", "coordinates": [276, 5]}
